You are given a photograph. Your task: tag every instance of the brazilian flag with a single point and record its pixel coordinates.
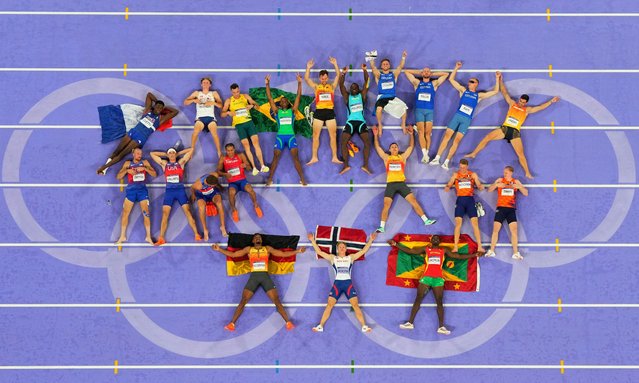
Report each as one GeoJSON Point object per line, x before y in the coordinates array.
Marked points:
{"type": "Point", "coordinates": [405, 270]}
{"type": "Point", "coordinates": [266, 123]}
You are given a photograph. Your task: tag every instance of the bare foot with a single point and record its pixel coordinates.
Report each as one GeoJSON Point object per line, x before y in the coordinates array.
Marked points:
{"type": "Point", "coordinates": [529, 176]}
{"type": "Point", "coordinates": [149, 240]}
{"type": "Point", "coordinates": [312, 161]}
{"type": "Point", "coordinates": [206, 236]}
{"type": "Point", "coordinates": [345, 169]}
{"type": "Point", "coordinates": [223, 230]}
{"type": "Point", "coordinates": [455, 249]}
{"type": "Point", "coordinates": [365, 169]}
{"type": "Point", "coordinates": [303, 182]}
{"type": "Point", "coordinates": [336, 160]}
{"type": "Point", "coordinates": [120, 240]}
{"type": "Point", "coordinates": [101, 171]}
{"type": "Point", "coordinates": [470, 155]}
{"type": "Point", "coordinates": [480, 249]}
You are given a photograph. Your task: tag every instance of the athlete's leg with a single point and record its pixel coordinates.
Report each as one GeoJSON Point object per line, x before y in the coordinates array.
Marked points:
{"type": "Point", "coordinates": [189, 218]}
{"type": "Point", "coordinates": [276, 160]}
{"type": "Point", "coordinates": [438, 291]}
{"type": "Point", "coordinates": [146, 214]}
{"type": "Point", "coordinates": [358, 311]}
{"type": "Point", "coordinates": [201, 209]}
{"type": "Point", "coordinates": [403, 125]}
{"type": "Point", "coordinates": [519, 150]}
{"type": "Point", "coordinates": [378, 115]}
{"type": "Point", "coordinates": [217, 200]}
{"type": "Point", "coordinates": [495, 134]}
{"type": "Point", "coordinates": [317, 129]}
{"type": "Point", "coordinates": [345, 137]}
{"type": "Point", "coordinates": [428, 133]}
{"type": "Point", "coordinates": [126, 211]}
{"type": "Point", "coordinates": [474, 222]}
{"type": "Point", "coordinates": [420, 134]}
{"type": "Point", "coordinates": [327, 311]}
{"type": "Point", "coordinates": [216, 138]}
{"type": "Point", "coordinates": [247, 151]}
{"type": "Point", "coordinates": [422, 290]}
{"type": "Point", "coordinates": [246, 297]}
{"type": "Point", "coordinates": [166, 210]}
{"type": "Point", "coordinates": [367, 150]}
{"type": "Point", "coordinates": [513, 236]}
{"type": "Point", "coordinates": [442, 146]}
{"type": "Point", "coordinates": [118, 155]}
{"type": "Point", "coordinates": [413, 202]}
{"type": "Point", "coordinates": [232, 194]}
{"type": "Point", "coordinates": [387, 205]}
{"type": "Point", "coordinates": [495, 235]}
{"type": "Point", "coordinates": [272, 294]}
{"type": "Point", "coordinates": [249, 189]}
{"type": "Point", "coordinates": [453, 147]}
{"type": "Point", "coordinates": [458, 225]}
{"type": "Point", "coordinates": [298, 165]}
{"type": "Point", "coordinates": [255, 139]}
{"type": "Point", "coordinates": [331, 125]}
{"type": "Point", "coordinates": [197, 128]}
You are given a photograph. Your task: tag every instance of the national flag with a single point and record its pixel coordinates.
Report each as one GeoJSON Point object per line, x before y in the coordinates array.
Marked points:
{"type": "Point", "coordinates": [117, 120]}
{"type": "Point", "coordinates": [405, 270]}
{"type": "Point", "coordinates": [265, 122]}
{"type": "Point", "coordinates": [276, 265]}
{"type": "Point", "coordinates": [327, 237]}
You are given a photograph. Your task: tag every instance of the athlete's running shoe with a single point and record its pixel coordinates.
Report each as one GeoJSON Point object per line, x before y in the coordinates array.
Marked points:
{"type": "Point", "coordinates": [318, 328]}
{"type": "Point", "coordinates": [490, 253]}
{"type": "Point", "coordinates": [517, 256]}
{"type": "Point", "coordinates": [380, 229]}
{"type": "Point", "coordinates": [443, 330]}
{"type": "Point", "coordinates": [366, 329]}
{"type": "Point", "coordinates": [406, 326]}
{"type": "Point", "coordinates": [255, 172]}
{"type": "Point", "coordinates": [230, 327]}
{"type": "Point", "coordinates": [429, 222]}
{"type": "Point", "coordinates": [289, 326]}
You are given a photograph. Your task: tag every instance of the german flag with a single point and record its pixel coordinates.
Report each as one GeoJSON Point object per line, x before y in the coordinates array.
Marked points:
{"type": "Point", "coordinates": [276, 265]}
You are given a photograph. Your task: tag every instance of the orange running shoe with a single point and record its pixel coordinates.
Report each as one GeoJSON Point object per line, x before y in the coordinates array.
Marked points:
{"type": "Point", "coordinates": [353, 147]}
{"type": "Point", "coordinates": [211, 210]}
{"type": "Point", "coordinates": [289, 326]}
{"type": "Point", "coordinates": [259, 213]}
{"type": "Point", "coordinates": [160, 242]}
{"type": "Point", "coordinates": [236, 216]}
{"type": "Point", "coordinates": [230, 327]}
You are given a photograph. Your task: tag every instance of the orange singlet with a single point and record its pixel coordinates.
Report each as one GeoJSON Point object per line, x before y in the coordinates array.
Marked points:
{"type": "Point", "coordinates": [395, 169]}
{"type": "Point", "coordinates": [258, 259]}
{"type": "Point", "coordinates": [465, 184]}
{"type": "Point", "coordinates": [324, 95]}
{"type": "Point", "coordinates": [515, 117]}
{"type": "Point", "coordinates": [506, 196]}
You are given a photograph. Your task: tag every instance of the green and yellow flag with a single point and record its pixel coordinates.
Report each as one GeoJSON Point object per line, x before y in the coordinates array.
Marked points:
{"type": "Point", "coordinates": [266, 123]}
{"type": "Point", "coordinates": [405, 270]}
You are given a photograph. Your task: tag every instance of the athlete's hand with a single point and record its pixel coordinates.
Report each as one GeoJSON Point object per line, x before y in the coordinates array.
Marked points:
{"type": "Point", "coordinates": [446, 188]}
{"type": "Point", "coordinates": [250, 106]}
{"type": "Point", "coordinates": [301, 249]}
{"type": "Point", "coordinates": [392, 243]}
{"type": "Point", "coordinates": [310, 237]}
{"type": "Point", "coordinates": [498, 75]}
{"type": "Point", "coordinates": [298, 77]}
{"type": "Point", "coordinates": [458, 64]}
{"type": "Point", "coordinates": [363, 66]}
{"type": "Point", "coordinates": [344, 71]}
{"type": "Point", "coordinates": [232, 113]}
{"type": "Point", "coordinates": [267, 79]}
{"type": "Point", "coordinates": [554, 99]}
{"type": "Point", "coordinates": [310, 63]}
{"type": "Point", "coordinates": [131, 171]}
{"type": "Point", "coordinates": [404, 54]}
{"type": "Point", "coordinates": [500, 185]}
{"type": "Point", "coordinates": [215, 247]}
{"type": "Point", "coordinates": [332, 60]}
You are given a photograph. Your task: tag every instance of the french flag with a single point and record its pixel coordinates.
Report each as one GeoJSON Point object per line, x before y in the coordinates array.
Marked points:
{"type": "Point", "coordinates": [117, 120]}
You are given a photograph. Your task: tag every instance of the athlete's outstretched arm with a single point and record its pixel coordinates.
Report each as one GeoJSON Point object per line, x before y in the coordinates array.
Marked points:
{"type": "Point", "coordinates": [519, 186]}
{"type": "Point", "coordinates": [381, 153]}
{"type": "Point", "coordinates": [543, 106]}
{"type": "Point", "coordinates": [342, 87]}
{"type": "Point", "coordinates": [280, 253]}
{"type": "Point", "coordinates": [298, 95]}
{"type": "Point", "coordinates": [493, 92]}
{"type": "Point", "coordinates": [307, 74]}
{"type": "Point", "coordinates": [149, 168]}
{"type": "Point", "coordinates": [461, 89]}
{"type": "Point", "coordinates": [411, 145]}
{"type": "Point", "coordinates": [157, 157]}
{"type": "Point", "coordinates": [232, 254]}
{"type": "Point", "coordinates": [365, 87]}
{"type": "Point", "coordinates": [333, 61]}
{"type": "Point", "coordinates": [374, 69]}
{"type": "Point", "coordinates": [504, 93]}
{"type": "Point", "coordinates": [460, 256]}
{"type": "Point", "coordinates": [318, 251]}
{"type": "Point", "coordinates": [267, 83]}
{"type": "Point", "coordinates": [399, 68]}
{"type": "Point", "coordinates": [359, 254]}
{"type": "Point", "coordinates": [415, 250]}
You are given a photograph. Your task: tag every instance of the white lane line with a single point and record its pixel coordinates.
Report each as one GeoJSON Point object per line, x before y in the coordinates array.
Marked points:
{"type": "Point", "coordinates": [200, 244]}
{"type": "Point", "coordinates": [303, 305]}
{"type": "Point", "coordinates": [390, 127]}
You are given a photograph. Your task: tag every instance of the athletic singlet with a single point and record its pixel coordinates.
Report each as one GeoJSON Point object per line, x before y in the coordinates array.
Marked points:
{"type": "Point", "coordinates": [258, 259]}
{"type": "Point", "coordinates": [386, 85]}
{"type": "Point", "coordinates": [465, 184]}
{"type": "Point", "coordinates": [202, 110]}
{"type": "Point", "coordinates": [342, 267]}
{"type": "Point", "coordinates": [233, 166]}
{"type": "Point", "coordinates": [395, 169]}
{"type": "Point", "coordinates": [468, 103]}
{"type": "Point", "coordinates": [150, 121]}
{"type": "Point", "coordinates": [139, 178]}
{"type": "Point", "coordinates": [239, 106]}
{"type": "Point", "coordinates": [433, 263]}
{"type": "Point", "coordinates": [324, 95]}
{"type": "Point", "coordinates": [174, 174]}
{"type": "Point", "coordinates": [425, 95]}
{"type": "Point", "coordinates": [515, 117]}
{"type": "Point", "coordinates": [506, 196]}
{"type": "Point", "coordinates": [206, 189]}
{"type": "Point", "coordinates": [285, 121]}
{"type": "Point", "coordinates": [355, 108]}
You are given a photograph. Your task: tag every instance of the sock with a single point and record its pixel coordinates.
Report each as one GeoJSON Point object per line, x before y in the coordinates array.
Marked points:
{"type": "Point", "coordinates": [424, 218]}
{"type": "Point", "coordinates": [382, 224]}
{"type": "Point", "coordinates": [107, 161]}
{"type": "Point", "coordinates": [436, 158]}
{"type": "Point", "coordinates": [446, 161]}
{"type": "Point", "coordinates": [424, 152]}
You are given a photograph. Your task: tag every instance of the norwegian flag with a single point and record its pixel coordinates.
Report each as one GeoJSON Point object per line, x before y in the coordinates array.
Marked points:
{"type": "Point", "coordinates": [328, 236]}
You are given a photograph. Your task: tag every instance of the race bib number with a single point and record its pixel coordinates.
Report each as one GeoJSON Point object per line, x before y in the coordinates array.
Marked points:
{"type": "Point", "coordinates": [508, 192]}
{"type": "Point", "coordinates": [464, 184]}
{"type": "Point", "coordinates": [241, 112]}
{"type": "Point", "coordinates": [434, 261]}
{"type": "Point", "coordinates": [512, 121]}
{"type": "Point", "coordinates": [342, 270]}
{"type": "Point", "coordinates": [175, 179]}
{"type": "Point", "coordinates": [286, 121]}
{"type": "Point", "coordinates": [424, 97]}
{"type": "Point", "coordinates": [234, 171]}
{"type": "Point", "coordinates": [325, 97]}
{"type": "Point", "coordinates": [466, 109]}
{"type": "Point", "coordinates": [395, 167]}
{"type": "Point", "coordinates": [139, 177]}
{"type": "Point", "coordinates": [388, 85]}
{"type": "Point", "coordinates": [259, 266]}
{"type": "Point", "coordinates": [356, 108]}
{"type": "Point", "coordinates": [148, 122]}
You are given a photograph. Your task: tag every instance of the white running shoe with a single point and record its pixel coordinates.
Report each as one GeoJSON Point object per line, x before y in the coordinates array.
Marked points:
{"type": "Point", "coordinates": [517, 256]}
{"type": "Point", "coordinates": [265, 169]}
{"type": "Point", "coordinates": [255, 172]}
{"type": "Point", "coordinates": [443, 330]}
{"type": "Point", "coordinates": [406, 326]}
{"type": "Point", "coordinates": [480, 209]}
{"type": "Point", "coordinates": [318, 328]}
{"type": "Point", "coordinates": [490, 253]}
{"type": "Point", "coordinates": [366, 329]}
{"type": "Point", "coordinates": [435, 162]}
{"type": "Point", "coordinates": [425, 159]}
{"type": "Point", "coordinates": [445, 165]}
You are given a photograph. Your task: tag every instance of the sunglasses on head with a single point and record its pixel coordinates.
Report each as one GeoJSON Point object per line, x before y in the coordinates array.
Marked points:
{"type": "Point", "coordinates": [471, 81]}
